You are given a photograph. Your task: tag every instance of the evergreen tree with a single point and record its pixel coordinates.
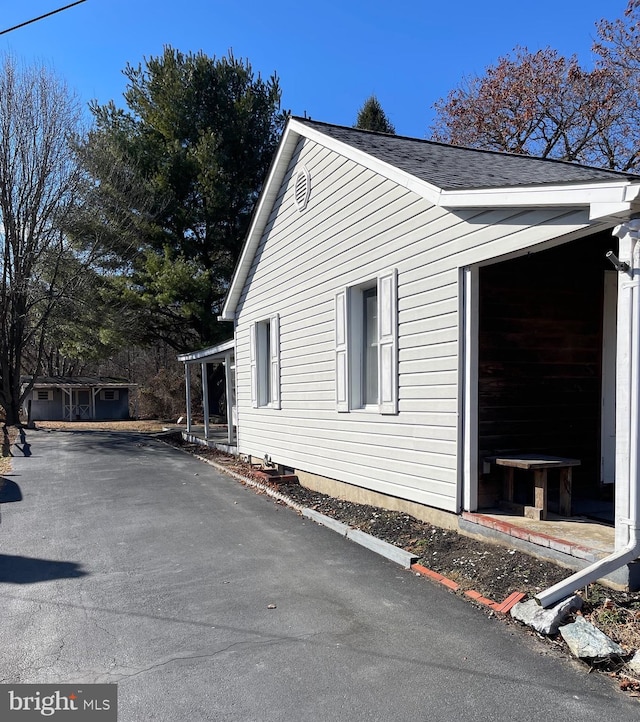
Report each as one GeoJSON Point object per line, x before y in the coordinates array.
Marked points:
{"type": "Point", "coordinates": [190, 154]}
{"type": "Point", "coordinates": [372, 117]}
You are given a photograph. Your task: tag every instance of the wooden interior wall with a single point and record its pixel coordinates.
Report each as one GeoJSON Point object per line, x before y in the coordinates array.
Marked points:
{"type": "Point", "coordinates": [540, 356]}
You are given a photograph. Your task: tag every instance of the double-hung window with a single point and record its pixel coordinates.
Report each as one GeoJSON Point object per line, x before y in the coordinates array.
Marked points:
{"type": "Point", "coordinates": [367, 345]}
{"type": "Point", "coordinates": [265, 363]}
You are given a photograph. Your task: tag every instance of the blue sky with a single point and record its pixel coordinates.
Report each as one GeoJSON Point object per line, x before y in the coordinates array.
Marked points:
{"type": "Point", "coordinates": [329, 56]}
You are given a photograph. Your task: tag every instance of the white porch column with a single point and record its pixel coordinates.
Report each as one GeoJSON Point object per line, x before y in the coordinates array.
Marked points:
{"type": "Point", "coordinates": [229, 395]}
{"type": "Point", "coordinates": [468, 430]}
{"type": "Point", "coordinates": [205, 399]}
{"type": "Point", "coordinates": [627, 477]}
{"type": "Point", "coordinates": [187, 389]}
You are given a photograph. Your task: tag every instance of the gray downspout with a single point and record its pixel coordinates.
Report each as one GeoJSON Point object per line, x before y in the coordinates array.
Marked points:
{"type": "Point", "coordinates": [631, 550]}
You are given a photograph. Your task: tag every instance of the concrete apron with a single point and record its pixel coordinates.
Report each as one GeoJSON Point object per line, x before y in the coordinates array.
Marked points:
{"type": "Point", "coordinates": [574, 542]}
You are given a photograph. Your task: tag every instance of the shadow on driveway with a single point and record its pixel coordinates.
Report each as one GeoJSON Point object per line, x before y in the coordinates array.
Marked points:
{"type": "Point", "coordinates": [27, 570]}
{"type": "Point", "coordinates": [9, 491]}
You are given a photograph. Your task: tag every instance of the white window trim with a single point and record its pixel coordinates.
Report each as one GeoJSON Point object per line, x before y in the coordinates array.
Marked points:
{"type": "Point", "coordinates": [265, 363]}
{"type": "Point", "coordinates": [48, 392]}
{"type": "Point", "coordinates": [349, 345]}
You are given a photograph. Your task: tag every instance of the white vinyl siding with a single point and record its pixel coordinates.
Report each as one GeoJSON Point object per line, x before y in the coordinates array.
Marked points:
{"type": "Point", "coordinates": [357, 226]}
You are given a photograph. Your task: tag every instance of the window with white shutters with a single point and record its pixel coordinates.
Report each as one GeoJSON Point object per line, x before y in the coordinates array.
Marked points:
{"type": "Point", "coordinates": [366, 348]}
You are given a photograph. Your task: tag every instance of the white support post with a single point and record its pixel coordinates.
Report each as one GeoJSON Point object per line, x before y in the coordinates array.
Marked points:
{"type": "Point", "coordinates": [469, 322]}
{"type": "Point", "coordinates": [628, 329]}
{"type": "Point", "coordinates": [205, 398]}
{"type": "Point", "coordinates": [187, 385]}
{"type": "Point", "coordinates": [93, 393]}
{"type": "Point", "coordinates": [229, 395]}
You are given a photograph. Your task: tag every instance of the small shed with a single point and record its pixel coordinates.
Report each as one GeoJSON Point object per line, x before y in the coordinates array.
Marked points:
{"type": "Point", "coordinates": [77, 398]}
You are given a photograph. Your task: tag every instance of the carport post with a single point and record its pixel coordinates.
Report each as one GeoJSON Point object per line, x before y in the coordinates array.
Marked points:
{"type": "Point", "coordinates": [187, 383]}
{"type": "Point", "coordinates": [205, 399]}
{"type": "Point", "coordinates": [229, 395]}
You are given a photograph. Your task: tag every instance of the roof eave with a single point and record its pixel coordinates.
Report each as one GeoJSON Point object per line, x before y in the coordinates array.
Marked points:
{"type": "Point", "coordinates": [217, 352]}
{"type": "Point", "coordinates": [615, 200]}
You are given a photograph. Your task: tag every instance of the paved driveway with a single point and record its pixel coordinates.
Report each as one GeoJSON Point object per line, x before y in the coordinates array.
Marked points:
{"type": "Point", "coordinates": [127, 561]}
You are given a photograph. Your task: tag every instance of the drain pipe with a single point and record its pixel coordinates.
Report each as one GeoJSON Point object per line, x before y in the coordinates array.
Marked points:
{"type": "Point", "coordinates": [629, 231]}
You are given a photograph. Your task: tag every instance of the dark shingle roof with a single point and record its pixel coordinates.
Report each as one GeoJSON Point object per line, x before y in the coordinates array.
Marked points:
{"type": "Point", "coordinates": [77, 381]}
{"type": "Point", "coordinates": [452, 167]}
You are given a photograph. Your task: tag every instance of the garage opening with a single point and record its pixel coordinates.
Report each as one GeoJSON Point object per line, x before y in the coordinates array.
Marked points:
{"type": "Point", "coordinates": [546, 363]}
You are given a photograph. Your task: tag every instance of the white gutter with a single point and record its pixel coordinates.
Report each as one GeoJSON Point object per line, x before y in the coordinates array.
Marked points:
{"type": "Point", "coordinates": [631, 550]}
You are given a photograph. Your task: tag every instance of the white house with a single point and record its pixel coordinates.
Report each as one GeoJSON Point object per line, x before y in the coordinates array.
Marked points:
{"type": "Point", "coordinates": [406, 313]}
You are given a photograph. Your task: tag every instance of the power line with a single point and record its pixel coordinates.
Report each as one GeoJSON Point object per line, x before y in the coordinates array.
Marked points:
{"type": "Point", "coordinates": [46, 15]}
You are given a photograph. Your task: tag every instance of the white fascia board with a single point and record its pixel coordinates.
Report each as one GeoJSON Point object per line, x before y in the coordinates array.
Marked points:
{"type": "Point", "coordinates": [212, 352]}
{"type": "Point", "coordinates": [604, 199]}
{"type": "Point", "coordinates": [260, 218]}
{"type": "Point", "coordinates": [401, 177]}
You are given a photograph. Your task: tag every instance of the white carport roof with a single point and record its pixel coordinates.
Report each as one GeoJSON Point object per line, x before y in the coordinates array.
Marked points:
{"type": "Point", "coordinates": [206, 355]}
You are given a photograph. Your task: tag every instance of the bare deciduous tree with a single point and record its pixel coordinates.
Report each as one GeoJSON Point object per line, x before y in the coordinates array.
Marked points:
{"type": "Point", "coordinates": [542, 103]}
{"type": "Point", "coordinates": [39, 181]}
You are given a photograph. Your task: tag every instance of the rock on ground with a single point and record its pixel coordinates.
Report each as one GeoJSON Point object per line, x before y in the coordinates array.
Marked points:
{"type": "Point", "coordinates": [587, 642]}
{"type": "Point", "coordinates": [545, 621]}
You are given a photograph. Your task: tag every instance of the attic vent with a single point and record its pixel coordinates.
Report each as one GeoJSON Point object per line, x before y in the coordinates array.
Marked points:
{"type": "Point", "coordinates": [303, 188]}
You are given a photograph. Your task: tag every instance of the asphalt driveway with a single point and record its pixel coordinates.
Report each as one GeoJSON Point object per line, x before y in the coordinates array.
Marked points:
{"type": "Point", "coordinates": [124, 560]}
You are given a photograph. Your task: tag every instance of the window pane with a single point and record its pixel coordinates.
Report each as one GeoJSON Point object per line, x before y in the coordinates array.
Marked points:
{"type": "Point", "coordinates": [370, 337]}
{"type": "Point", "coordinates": [267, 361]}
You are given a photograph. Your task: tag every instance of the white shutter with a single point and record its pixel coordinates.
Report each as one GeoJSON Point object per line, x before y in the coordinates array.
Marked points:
{"type": "Point", "coordinates": [388, 342]}
{"type": "Point", "coordinates": [253, 349]}
{"type": "Point", "coordinates": [274, 361]}
{"type": "Point", "coordinates": [342, 352]}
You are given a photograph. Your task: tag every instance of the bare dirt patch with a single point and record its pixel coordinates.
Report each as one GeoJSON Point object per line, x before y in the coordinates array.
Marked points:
{"type": "Point", "coordinates": [143, 426]}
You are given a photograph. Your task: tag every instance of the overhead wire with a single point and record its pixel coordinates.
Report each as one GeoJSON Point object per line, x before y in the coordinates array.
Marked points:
{"type": "Point", "coordinates": [41, 17]}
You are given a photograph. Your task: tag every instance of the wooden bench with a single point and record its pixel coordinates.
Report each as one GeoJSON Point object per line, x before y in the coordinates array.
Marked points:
{"type": "Point", "coordinates": [539, 464]}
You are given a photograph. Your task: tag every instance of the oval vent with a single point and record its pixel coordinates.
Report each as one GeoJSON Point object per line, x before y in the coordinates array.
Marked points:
{"type": "Point", "coordinates": [303, 188]}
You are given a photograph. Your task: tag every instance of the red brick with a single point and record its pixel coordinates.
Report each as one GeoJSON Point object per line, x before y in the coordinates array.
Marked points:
{"type": "Point", "coordinates": [519, 533]}
{"type": "Point", "coordinates": [510, 601]}
{"type": "Point", "coordinates": [473, 594]}
{"type": "Point", "coordinates": [427, 572]}
{"type": "Point", "coordinates": [503, 526]}
{"type": "Point", "coordinates": [485, 601]}
{"type": "Point", "coordinates": [450, 584]}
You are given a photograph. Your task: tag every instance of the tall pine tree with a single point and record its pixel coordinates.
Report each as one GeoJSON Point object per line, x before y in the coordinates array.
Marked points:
{"type": "Point", "coordinates": [372, 117]}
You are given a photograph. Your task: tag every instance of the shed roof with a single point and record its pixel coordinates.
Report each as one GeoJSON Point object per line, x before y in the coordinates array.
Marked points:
{"type": "Point", "coordinates": [78, 381]}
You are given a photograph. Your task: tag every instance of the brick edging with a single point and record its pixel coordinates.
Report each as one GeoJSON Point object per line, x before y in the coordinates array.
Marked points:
{"type": "Point", "coordinates": [502, 607]}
